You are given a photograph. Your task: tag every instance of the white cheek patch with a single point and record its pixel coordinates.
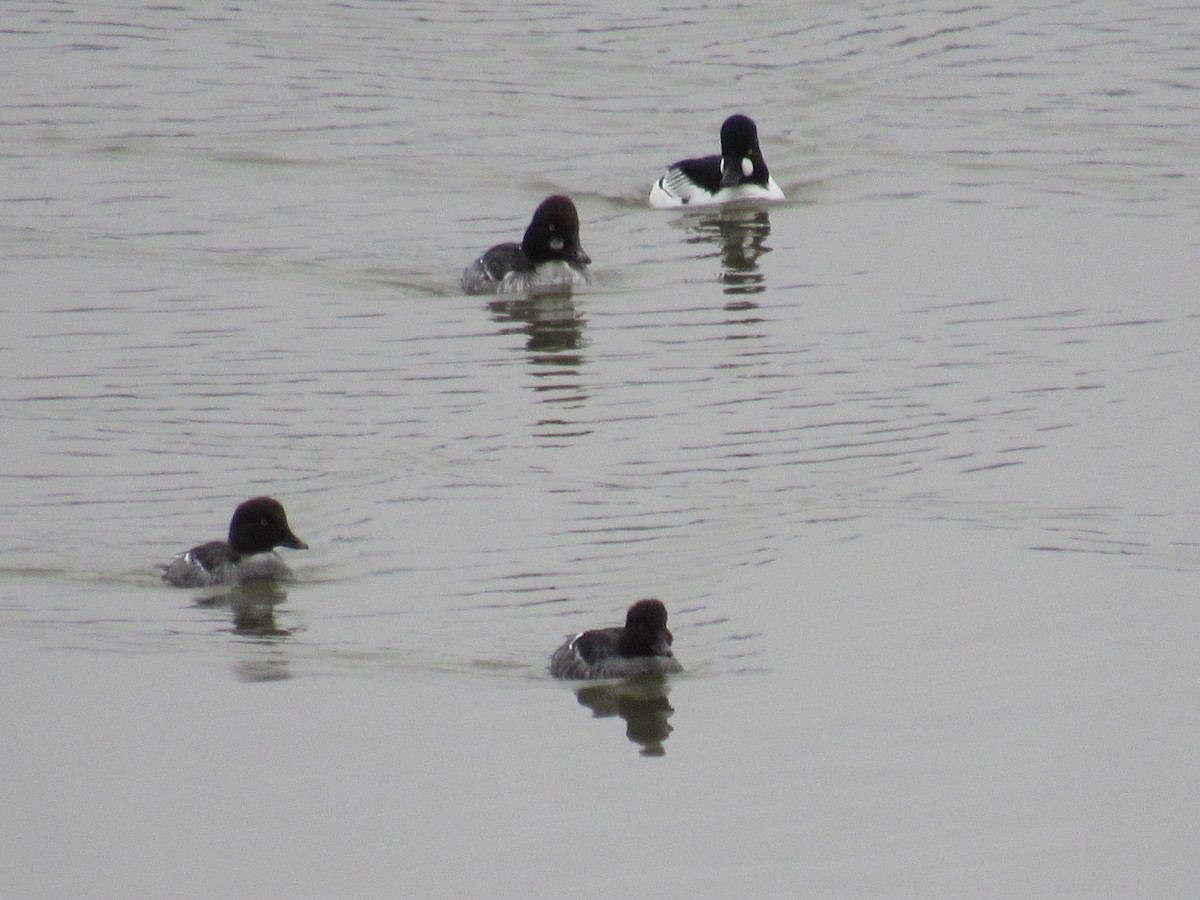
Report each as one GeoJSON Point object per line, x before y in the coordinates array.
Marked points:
{"type": "Point", "coordinates": [747, 167]}
{"type": "Point", "coordinates": [556, 243]}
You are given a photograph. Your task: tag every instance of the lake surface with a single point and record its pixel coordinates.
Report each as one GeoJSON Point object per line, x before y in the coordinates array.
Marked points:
{"type": "Point", "coordinates": [909, 456]}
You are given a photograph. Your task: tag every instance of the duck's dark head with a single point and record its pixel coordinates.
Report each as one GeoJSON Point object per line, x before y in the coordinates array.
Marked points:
{"type": "Point", "coordinates": [554, 233]}
{"type": "Point", "coordinates": [260, 525]}
{"type": "Point", "coordinates": [645, 632]}
{"type": "Point", "coordinates": [741, 158]}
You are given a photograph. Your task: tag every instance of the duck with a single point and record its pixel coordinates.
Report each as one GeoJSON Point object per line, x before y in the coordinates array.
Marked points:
{"type": "Point", "coordinates": [641, 647]}
{"type": "Point", "coordinates": [258, 526]}
{"type": "Point", "coordinates": [738, 173]}
{"type": "Point", "coordinates": [549, 257]}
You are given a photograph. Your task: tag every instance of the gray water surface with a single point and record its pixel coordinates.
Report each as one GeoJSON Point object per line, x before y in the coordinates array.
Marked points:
{"type": "Point", "coordinates": [908, 456]}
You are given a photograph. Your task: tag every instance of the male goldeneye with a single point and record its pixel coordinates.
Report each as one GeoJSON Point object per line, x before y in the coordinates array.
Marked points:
{"type": "Point", "coordinates": [257, 528]}
{"type": "Point", "coordinates": [641, 647]}
{"type": "Point", "coordinates": [549, 258]}
{"type": "Point", "coordinates": [739, 173]}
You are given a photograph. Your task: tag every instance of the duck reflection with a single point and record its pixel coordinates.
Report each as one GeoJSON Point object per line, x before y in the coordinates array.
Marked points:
{"type": "Point", "coordinates": [268, 665]}
{"type": "Point", "coordinates": [253, 607]}
{"type": "Point", "coordinates": [554, 334]}
{"type": "Point", "coordinates": [549, 321]}
{"type": "Point", "coordinates": [641, 702]}
{"type": "Point", "coordinates": [254, 610]}
{"type": "Point", "coordinates": [741, 235]}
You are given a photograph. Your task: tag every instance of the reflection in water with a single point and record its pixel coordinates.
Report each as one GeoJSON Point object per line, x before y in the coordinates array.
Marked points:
{"type": "Point", "coordinates": [741, 232]}
{"type": "Point", "coordinates": [255, 617]}
{"type": "Point", "coordinates": [267, 664]}
{"type": "Point", "coordinates": [641, 702]}
{"type": "Point", "coordinates": [253, 607]}
{"type": "Point", "coordinates": [549, 320]}
{"type": "Point", "coordinates": [554, 329]}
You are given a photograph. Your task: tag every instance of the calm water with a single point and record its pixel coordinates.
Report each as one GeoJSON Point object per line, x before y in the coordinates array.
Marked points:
{"type": "Point", "coordinates": [909, 456]}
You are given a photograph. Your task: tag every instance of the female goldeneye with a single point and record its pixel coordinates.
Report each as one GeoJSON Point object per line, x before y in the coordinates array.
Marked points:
{"type": "Point", "coordinates": [739, 173]}
{"type": "Point", "coordinates": [549, 258]}
{"type": "Point", "coordinates": [257, 528]}
{"type": "Point", "coordinates": [641, 647]}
